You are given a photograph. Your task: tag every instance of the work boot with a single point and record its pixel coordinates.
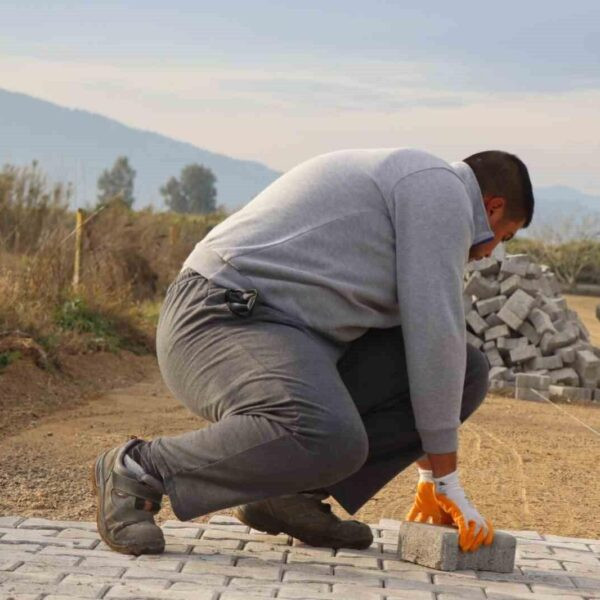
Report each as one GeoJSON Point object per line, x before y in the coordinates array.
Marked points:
{"type": "Point", "coordinates": [127, 503]}
{"type": "Point", "coordinates": [306, 518]}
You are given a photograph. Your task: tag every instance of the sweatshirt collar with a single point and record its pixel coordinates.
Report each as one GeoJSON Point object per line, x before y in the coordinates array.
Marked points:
{"type": "Point", "coordinates": [482, 231]}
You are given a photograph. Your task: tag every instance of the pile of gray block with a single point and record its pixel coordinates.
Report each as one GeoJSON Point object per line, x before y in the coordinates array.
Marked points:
{"type": "Point", "coordinates": [536, 346]}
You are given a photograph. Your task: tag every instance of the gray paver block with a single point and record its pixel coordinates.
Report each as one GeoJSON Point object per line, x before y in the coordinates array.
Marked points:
{"type": "Point", "coordinates": [490, 305]}
{"type": "Point", "coordinates": [520, 304]}
{"type": "Point", "coordinates": [565, 392]}
{"type": "Point", "coordinates": [510, 285]}
{"type": "Point", "coordinates": [474, 340]}
{"type": "Point", "coordinates": [523, 353]}
{"type": "Point", "coordinates": [436, 546]}
{"type": "Point", "coordinates": [529, 331]}
{"type": "Point", "coordinates": [479, 286]}
{"type": "Point", "coordinates": [494, 358]}
{"type": "Point", "coordinates": [530, 394]}
{"type": "Point", "coordinates": [476, 323]}
{"type": "Point", "coordinates": [510, 318]}
{"type": "Point", "coordinates": [496, 332]}
{"type": "Point", "coordinates": [528, 380]}
{"type": "Point", "coordinates": [541, 321]}
{"type": "Point", "coordinates": [544, 362]}
{"type": "Point", "coordinates": [566, 376]}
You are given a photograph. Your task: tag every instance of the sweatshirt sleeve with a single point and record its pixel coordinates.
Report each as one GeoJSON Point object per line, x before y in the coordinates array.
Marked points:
{"type": "Point", "coordinates": [433, 223]}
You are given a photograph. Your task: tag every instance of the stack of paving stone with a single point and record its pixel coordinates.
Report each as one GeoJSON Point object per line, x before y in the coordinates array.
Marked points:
{"type": "Point", "coordinates": [533, 342]}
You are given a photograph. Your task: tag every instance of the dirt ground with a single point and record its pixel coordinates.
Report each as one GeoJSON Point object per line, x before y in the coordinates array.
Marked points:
{"type": "Point", "coordinates": [526, 465]}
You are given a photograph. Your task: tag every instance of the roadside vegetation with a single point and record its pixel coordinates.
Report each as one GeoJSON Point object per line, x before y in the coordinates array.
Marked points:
{"type": "Point", "coordinates": [128, 259]}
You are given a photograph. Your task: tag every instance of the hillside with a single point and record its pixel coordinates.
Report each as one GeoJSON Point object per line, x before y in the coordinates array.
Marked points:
{"type": "Point", "coordinates": [75, 145]}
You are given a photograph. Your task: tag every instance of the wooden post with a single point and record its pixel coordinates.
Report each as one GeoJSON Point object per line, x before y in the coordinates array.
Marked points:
{"type": "Point", "coordinates": [173, 234]}
{"type": "Point", "coordinates": [78, 248]}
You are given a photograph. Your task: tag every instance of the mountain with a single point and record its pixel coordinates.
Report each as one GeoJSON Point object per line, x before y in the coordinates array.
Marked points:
{"type": "Point", "coordinates": [559, 202]}
{"type": "Point", "coordinates": [76, 146]}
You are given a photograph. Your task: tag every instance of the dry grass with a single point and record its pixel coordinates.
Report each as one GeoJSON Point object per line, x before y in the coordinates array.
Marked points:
{"type": "Point", "coordinates": [128, 260]}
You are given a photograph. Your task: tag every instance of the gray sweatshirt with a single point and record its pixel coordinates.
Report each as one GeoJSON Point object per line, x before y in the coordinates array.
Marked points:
{"type": "Point", "coordinates": [366, 238]}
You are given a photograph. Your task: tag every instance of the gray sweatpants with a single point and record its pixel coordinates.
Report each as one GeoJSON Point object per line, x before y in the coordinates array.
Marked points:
{"type": "Point", "coordinates": [290, 409]}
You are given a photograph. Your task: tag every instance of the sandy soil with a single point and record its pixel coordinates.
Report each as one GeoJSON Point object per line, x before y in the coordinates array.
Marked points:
{"type": "Point", "coordinates": [525, 465]}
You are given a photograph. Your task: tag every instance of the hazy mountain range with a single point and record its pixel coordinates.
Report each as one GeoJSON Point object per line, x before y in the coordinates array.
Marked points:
{"type": "Point", "coordinates": [76, 145]}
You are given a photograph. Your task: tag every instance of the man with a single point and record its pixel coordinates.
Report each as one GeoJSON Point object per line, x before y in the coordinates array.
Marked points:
{"type": "Point", "coordinates": [321, 331]}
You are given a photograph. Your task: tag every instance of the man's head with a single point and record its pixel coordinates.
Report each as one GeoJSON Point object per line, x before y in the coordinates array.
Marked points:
{"type": "Point", "coordinates": [507, 195]}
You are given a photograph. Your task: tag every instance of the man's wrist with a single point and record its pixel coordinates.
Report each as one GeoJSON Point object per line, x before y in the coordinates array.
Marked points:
{"type": "Point", "coordinates": [442, 464]}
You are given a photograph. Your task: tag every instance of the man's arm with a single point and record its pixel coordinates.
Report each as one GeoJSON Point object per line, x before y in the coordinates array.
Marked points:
{"type": "Point", "coordinates": [433, 235]}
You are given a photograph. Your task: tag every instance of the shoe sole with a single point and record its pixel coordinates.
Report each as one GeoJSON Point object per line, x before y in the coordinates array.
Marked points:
{"type": "Point", "coordinates": [97, 482]}
{"type": "Point", "coordinates": [274, 526]}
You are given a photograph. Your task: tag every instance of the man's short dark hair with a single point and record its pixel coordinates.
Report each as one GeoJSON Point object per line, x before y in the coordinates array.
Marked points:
{"type": "Point", "coordinates": [503, 174]}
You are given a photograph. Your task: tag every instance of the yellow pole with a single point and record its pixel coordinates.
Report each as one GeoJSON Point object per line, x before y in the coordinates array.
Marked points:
{"type": "Point", "coordinates": [78, 247]}
{"type": "Point", "coordinates": [173, 234]}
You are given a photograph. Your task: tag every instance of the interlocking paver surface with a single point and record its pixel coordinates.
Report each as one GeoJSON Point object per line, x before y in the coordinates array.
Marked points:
{"type": "Point", "coordinates": [225, 560]}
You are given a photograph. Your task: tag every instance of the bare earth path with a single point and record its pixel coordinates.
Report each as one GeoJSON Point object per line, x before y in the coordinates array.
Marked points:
{"type": "Point", "coordinates": [525, 465]}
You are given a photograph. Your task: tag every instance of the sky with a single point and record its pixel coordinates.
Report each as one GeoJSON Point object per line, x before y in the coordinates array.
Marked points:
{"type": "Point", "coordinates": [281, 81]}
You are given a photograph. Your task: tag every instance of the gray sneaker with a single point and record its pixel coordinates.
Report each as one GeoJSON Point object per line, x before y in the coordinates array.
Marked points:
{"type": "Point", "coordinates": [306, 518]}
{"type": "Point", "coordinates": [127, 503]}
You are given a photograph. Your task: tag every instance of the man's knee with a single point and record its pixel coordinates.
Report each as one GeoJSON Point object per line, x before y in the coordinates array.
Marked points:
{"type": "Point", "coordinates": [476, 381]}
{"type": "Point", "coordinates": [340, 450]}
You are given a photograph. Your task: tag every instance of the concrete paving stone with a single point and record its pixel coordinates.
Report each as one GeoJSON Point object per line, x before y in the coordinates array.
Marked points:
{"type": "Point", "coordinates": [219, 534]}
{"type": "Point", "coordinates": [83, 552]}
{"type": "Point", "coordinates": [73, 534]}
{"type": "Point", "coordinates": [358, 591]}
{"type": "Point", "coordinates": [229, 527]}
{"type": "Point", "coordinates": [123, 590]}
{"type": "Point", "coordinates": [490, 305]}
{"type": "Point", "coordinates": [37, 577]}
{"type": "Point", "coordinates": [37, 523]}
{"type": "Point", "coordinates": [529, 394]}
{"type": "Point", "coordinates": [9, 521]}
{"type": "Point", "coordinates": [207, 578]}
{"type": "Point", "coordinates": [257, 561]}
{"type": "Point", "coordinates": [33, 535]}
{"type": "Point", "coordinates": [494, 320]}
{"type": "Point", "coordinates": [437, 546]}
{"type": "Point", "coordinates": [307, 572]}
{"type": "Point", "coordinates": [354, 561]}
{"type": "Point", "coordinates": [510, 318]}
{"type": "Point", "coordinates": [271, 573]}
{"type": "Point", "coordinates": [496, 332]}
{"type": "Point", "coordinates": [203, 545]}
{"type": "Point", "coordinates": [12, 550]}
{"type": "Point", "coordinates": [27, 534]}
{"type": "Point", "coordinates": [220, 520]}
{"type": "Point", "coordinates": [103, 570]}
{"type": "Point", "coordinates": [162, 562]}
{"type": "Point", "coordinates": [9, 565]}
{"type": "Point", "coordinates": [364, 576]}
{"type": "Point", "coordinates": [237, 595]}
{"type": "Point", "coordinates": [374, 552]}
{"type": "Point", "coordinates": [580, 568]}
{"type": "Point", "coordinates": [183, 532]}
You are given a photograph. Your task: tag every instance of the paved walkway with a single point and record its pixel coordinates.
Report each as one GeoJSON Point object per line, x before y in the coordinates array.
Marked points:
{"type": "Point", "coordinates": [223, 560]}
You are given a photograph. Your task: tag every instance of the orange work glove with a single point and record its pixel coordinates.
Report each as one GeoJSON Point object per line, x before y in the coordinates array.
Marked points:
{"type": "Point", "coordinates": [473, 529]}
{"type": "Point", "coordinates": [425, 508]}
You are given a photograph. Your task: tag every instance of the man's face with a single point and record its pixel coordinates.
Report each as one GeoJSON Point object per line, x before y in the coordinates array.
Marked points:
{"type": "Point", "coordinates": [503, 229]}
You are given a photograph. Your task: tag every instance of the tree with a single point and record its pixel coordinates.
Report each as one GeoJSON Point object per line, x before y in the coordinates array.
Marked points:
{"type": "Point", "coordinates": [117, 183]}
{"type": "Point", "coordinates": [194, 191]}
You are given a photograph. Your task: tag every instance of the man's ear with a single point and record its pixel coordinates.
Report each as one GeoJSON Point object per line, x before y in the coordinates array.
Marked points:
{"type": "Point", "coordinates": [494, 206]}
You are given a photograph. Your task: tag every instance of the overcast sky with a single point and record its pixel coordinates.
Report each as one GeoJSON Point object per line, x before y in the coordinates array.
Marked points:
{"type": "Point", "coordinates": [279, 81]}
